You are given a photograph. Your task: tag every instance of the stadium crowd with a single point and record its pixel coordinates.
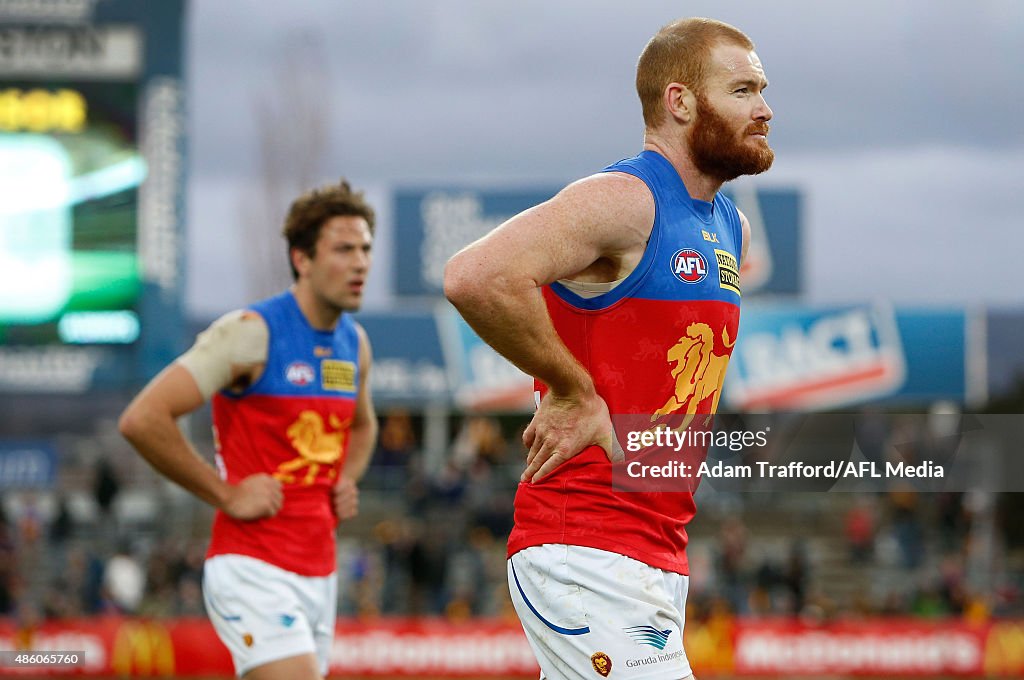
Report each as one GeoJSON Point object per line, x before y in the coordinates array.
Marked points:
{"type": "Point", "coordinates": [430, 540]}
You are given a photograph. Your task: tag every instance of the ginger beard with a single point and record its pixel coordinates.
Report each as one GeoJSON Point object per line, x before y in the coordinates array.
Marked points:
{"type": "Point", "coordinates": [719, 152]}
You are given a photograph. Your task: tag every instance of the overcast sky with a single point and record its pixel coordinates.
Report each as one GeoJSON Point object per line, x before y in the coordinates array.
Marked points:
{"type": "Point", "coordinates": [900, 121]}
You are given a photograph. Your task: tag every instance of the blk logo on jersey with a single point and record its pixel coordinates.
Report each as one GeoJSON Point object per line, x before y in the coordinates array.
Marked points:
{"type": "Point", "coordinates": [299, 373]}
{"type": "Point", "coordinates": [689, 266]}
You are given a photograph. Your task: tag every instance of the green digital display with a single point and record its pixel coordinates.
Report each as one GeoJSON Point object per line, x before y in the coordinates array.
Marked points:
{"type": "Point", "coordinates": [70, 171]}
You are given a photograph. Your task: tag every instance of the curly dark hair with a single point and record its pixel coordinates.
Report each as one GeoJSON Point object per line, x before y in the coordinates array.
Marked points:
{"type": "Point", "coordinates": [311, 210]}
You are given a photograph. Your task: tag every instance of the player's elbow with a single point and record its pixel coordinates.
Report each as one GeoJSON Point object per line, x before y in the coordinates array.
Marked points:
{"type": "Point", "coordinates": [128, 423]}
{"type": "Point", "coordinates": [365, 425]}
{"type": "Point", "coordinates": [133, 422]}
{"type": "Point", "coordinates": [480, 283]}
{"type": "Point", "coordinates": [461, 280]}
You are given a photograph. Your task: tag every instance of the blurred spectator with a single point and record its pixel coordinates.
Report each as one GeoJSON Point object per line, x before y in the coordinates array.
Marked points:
{"type": "Point", "coordinates": [952, 520]}
{"type": "Point", "coordinates": [189, 599]}
{"type": "Point", "coordinates": [366, 581]}
{"type": "Point", "coordinates": [396, 539]}
{"type": "Point", "coordinates": [106, 486]}
{"type": "Point", "coordinates": [160, 580]}
{"type": "Point", "coordinates": [427, 566]}
{"type": "Point", "coordinates": [30, 522]}
{"type": "Point", "coordinates": [953, 585]}
{"type": "Point", "coordinates": [77, 589]}
{"type": "Point", "coordinates": [449, 485]}
{"type": "Point", "coordinates": [479, 437]}
{"type": "Point", "coordinates": [732, 549]}
{"type": "Point", "coordinates": [906, 524]}
{"type": "Point", "coordinates": [796, 576]}
{"type": "Point", "coordinates": [189, 567]}
{"type": "Point", "coordinates": [928, 603]}
{"type": "Point", "coordinates": [859, 528]}
{"type": "Point", "coordinates": [124, 581]}
{"type": "Point", "coordinates": [8, 565]}
{"type": "Point", "coordinates": [397, 441]}
{"type": "Point", "coordinates": [63, 525]}
{"type": "Point", "coordinates": [467, 576]}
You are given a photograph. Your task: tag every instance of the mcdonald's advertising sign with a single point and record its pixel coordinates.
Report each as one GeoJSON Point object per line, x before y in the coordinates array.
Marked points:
{"type": "Point", "coordinates": [142, 649]}
{"type": "Point", "coordinates": [112, 646]}
{"type": "Point", "coordinates": [1004, 650]}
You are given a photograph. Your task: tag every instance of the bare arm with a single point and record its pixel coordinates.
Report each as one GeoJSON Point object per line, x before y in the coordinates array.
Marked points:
{"type": "Point", "coordinates": [495, 284]}
{"type": "Point", "coordinates": [362, 437]}
{"type": "Point", "coordinates": [150, 425]}
{"type": "Point", "coordinates": [745, 229]}
{"type": "Point", "coordinates": [363, 432]}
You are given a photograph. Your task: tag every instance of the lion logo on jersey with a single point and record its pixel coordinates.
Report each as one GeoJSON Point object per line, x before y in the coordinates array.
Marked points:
{"type": "Point", "coordinates": [316, 446]}
{"type": "Point", "coordinates": [602, 663]}
{"type": "Point", "coordinates": [698, 371]}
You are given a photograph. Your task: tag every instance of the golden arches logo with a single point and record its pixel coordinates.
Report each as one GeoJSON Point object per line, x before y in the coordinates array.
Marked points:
{"type": "Point", "coordinates": [315, 445]}
{"type": "Point", "coordinates": [698, 371]}
{"type": "Point", "coordinates": [1004, 650]}
{"type": "Point", "coordinates": [709, 645]}
{"type": "Point", "coordinates": [142, 649]}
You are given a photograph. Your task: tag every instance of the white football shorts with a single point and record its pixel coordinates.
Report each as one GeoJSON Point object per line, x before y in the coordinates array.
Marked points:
{"type": "Point", "coordinates": [590, 614]}
{"type": "Point", "coordinates": [263, 613]}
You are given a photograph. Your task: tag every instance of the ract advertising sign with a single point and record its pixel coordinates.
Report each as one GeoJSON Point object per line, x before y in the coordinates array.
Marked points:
{"type": "Point", "coordinates": [482, 378]}
{"type": "Point", "coordinates": [805, 358]}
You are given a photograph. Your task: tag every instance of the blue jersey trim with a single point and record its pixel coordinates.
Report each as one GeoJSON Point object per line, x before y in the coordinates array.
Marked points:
{"type": "Point", "coordinates": [677, 220]}
{"type": "Point", "coordinates": [558, 629]}
{"type": "Point", "coordinates": [679, 191]}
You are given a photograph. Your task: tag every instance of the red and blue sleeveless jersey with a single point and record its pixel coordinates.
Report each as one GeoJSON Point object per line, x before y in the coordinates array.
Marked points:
{"type": "Point", "coordinates": [293, 423]}
{"type": "Point", "coordinates": [658, 343]}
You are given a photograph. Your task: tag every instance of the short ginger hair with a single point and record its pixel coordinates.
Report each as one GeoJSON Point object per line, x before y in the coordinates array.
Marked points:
{"type": "Point", "coordinates": [679, 53]}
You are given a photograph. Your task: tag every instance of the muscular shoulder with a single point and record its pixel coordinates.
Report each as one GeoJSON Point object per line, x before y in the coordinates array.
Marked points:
{"type": "Point", "coordinates": [604, 217]}
{"type": "Point", "coordinates": [620, 204]}
{"type": "Point", "coordinates": [232, 345]}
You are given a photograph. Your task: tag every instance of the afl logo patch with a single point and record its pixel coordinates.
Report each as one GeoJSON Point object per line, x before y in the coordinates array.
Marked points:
{"type": "Point", "coordinates": [299, 373]}
{"type": "Point", "coordinates": [689, 266]}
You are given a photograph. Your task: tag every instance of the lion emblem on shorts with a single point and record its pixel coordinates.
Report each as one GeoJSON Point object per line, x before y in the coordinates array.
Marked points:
{"type": "Point", "coordinates": [602, 663]}
{"type": "Point", "coordinates": [698, 371]}
{"type": "Point", "coordinates": [316, 446]}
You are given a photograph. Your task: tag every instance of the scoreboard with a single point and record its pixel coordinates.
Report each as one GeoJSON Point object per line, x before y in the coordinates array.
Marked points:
{"type": "Point", "coordinates": [71, 170]}
{"type": "Point", "coordinates": [91, 184]}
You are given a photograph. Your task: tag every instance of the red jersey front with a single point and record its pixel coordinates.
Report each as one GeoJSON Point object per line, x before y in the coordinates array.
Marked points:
{"type": "Point", "coordinates": [659, 343]}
